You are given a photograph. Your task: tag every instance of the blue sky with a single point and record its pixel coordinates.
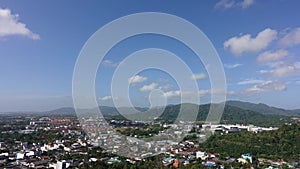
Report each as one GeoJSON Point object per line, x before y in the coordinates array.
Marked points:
{"type": "Point", "coordinates": [257, 41]}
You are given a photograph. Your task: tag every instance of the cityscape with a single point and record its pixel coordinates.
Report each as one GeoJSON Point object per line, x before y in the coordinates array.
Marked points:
{"type": "Point", "coordinates": [137, 84]}
{"type": "Point", "coordinates": [59, 140]}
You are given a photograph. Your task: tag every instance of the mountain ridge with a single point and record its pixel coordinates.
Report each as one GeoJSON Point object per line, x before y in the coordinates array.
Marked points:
{"type": "Point", "coordinates": [263, 108]}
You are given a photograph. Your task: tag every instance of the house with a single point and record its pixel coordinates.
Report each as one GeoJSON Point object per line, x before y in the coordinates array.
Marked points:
{"type": "Point", "coordinates": [202, 155]}
{"type": "Point", "coordinates": [168, 161]}
{"type": "Point", "coordinates": [2, 144]}
{"type": "Point", "coordinates": [20, 156]}
{"type": "Point", "coordinates": [270, 167]}
{"type": "Point", "coordinates": [113, 160]}
{"type": "Point", "coordinates": [210, 164]}
{"type": "Point", "coordinates": [39, 164]}
{"type": "Point", "coordinates": [242, 160]}
{"type": "Point", "coordinates": [176, 163]}
{"type": "Point", "coordinates": [63, 164]}
{"type": "Point", "coordinates": [247, 156]}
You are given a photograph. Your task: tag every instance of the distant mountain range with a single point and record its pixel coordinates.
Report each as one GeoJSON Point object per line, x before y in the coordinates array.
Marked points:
{"type": "Point", "coordinates": [259, 108]}
{"type": "Point", "coordinates": [234, 112]}
{"type": "Point", "coordinates": [263, 108]}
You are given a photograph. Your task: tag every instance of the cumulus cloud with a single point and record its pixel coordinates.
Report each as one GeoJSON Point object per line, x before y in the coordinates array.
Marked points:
{"type": "Point", "coordinates": [269, 56]}
{"type": "Point", "coordinates": [280, 69]}
{"type": "Point", "coordinates": [268, 86]}
{"type": "Point", "coordinates": [109, 63]}
{"type": "Point", "coordinates": [226, 4]}
{"type": "Point", "coordinates": [291, 38]}
{"type": "Point", "coordinates": [250, 81]}
{"type": "Point", "coordinates": [245, 43]}
{"type": "Point", "coordinates": [137, 79]}
{"type": "Point", "coordinates": [198, 76]}
{"type": "Point", "coordinates": [149, 87]}
{"type": "Point", "coordinates": [10, 25]}
{"type": "Point", "coordinates": [232, 66]}
{"type": "Point", "coordinates": [175, 93]}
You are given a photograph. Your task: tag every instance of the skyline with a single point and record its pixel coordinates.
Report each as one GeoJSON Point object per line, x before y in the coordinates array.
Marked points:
{"type": "Point", "coordinates": [257, 42]}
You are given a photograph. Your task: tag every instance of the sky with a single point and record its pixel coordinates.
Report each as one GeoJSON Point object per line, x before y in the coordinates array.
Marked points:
{"type": "Point", "coordinates": [258, 43]}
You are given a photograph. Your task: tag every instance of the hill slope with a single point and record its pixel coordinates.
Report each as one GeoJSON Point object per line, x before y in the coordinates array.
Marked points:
{"type": "Point", "coordinates": [263, 108]}
{"type": "Point", "coordinates": [232, 115]}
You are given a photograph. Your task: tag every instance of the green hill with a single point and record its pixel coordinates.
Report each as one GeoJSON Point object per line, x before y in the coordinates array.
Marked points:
{"type": "Point", "coordinates": [279, 144]}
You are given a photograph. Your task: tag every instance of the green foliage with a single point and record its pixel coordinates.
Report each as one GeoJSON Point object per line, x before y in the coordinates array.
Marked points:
{"type": "Point", "coordinates": [280, 144]}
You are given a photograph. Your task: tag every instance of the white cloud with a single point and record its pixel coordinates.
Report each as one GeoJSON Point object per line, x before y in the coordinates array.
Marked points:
{"type": "Point", "coordinates": [245, 43]}
{"type": "Point", "coordinates": [200, 93]}
{"type": "Point", "coordinates": [232, 92]}
{"type": "Point", "coordinates": [137, 79]}
{"type": "Point", "coordinates": [275, 64]}
{"type": "Point", "coordinates": [246, 3]}
{"type": "Point", "coordinates": [269, 56]}
{"type": "Point", "coordinates": [175, 93]}
{"type": "Point", "coordinates": [149, 87]}
{"type": "Point", "coordinates": [268, 86]}
{"type": "Point", "coordinates": [291, 38]}
{"type": "Point", "coordinates": [109, 63]}
{"type": "Point", "coordinates": [263, 71]}
{"type": "Point", "coordinates": [198, 76]}
{"type": "Point", "coordinates": [216, 91]}
{"type": "Point", "coordinates": [105, 98]}
{"type": "Point", "coordinates": [231, 66]}
{"type": "Point", "coordinates": [250, 81]}
{"type": "Point", "coordinates": [226, 4]}
{"type": "Point", "coordinates": [297, 65]}
{"type": "Point", "coordinates": [203, 92]}
{"type": "Point", "coordinates": [9, 25]}
{"type": "Point", "coordinates": [283, 71]}
{"type": "Point", "coordinates": [167, 87]}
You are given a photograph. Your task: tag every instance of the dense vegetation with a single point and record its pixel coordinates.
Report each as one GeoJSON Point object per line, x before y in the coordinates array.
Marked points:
{"type": "Point", "coordinates": [280, 144]}
{"type": "Point", "coordinates": [231, 115]}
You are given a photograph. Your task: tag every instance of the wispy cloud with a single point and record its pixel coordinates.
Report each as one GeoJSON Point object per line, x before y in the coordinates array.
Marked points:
{"type": "Point", "coordinates": [226, 4]}
{"type": "Point", "coordinates": [104, 98]}
{"type": "Point", "coordinates": [268, 86]}
{"type": "Point", "coordinates": [107, 98]}
{"type": "Point", "coordinates": [239, 45]}
{"type": "Point", "coordinates": [10, 25]}
{"type": "Point", "coordinates": [250, 81]}
{"type": "Point", "coordinates": [232, 66]}
{"type": "Point", "coordinates": [110, 63]}
{"type": "Point", "coordinates": [198, 76]}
